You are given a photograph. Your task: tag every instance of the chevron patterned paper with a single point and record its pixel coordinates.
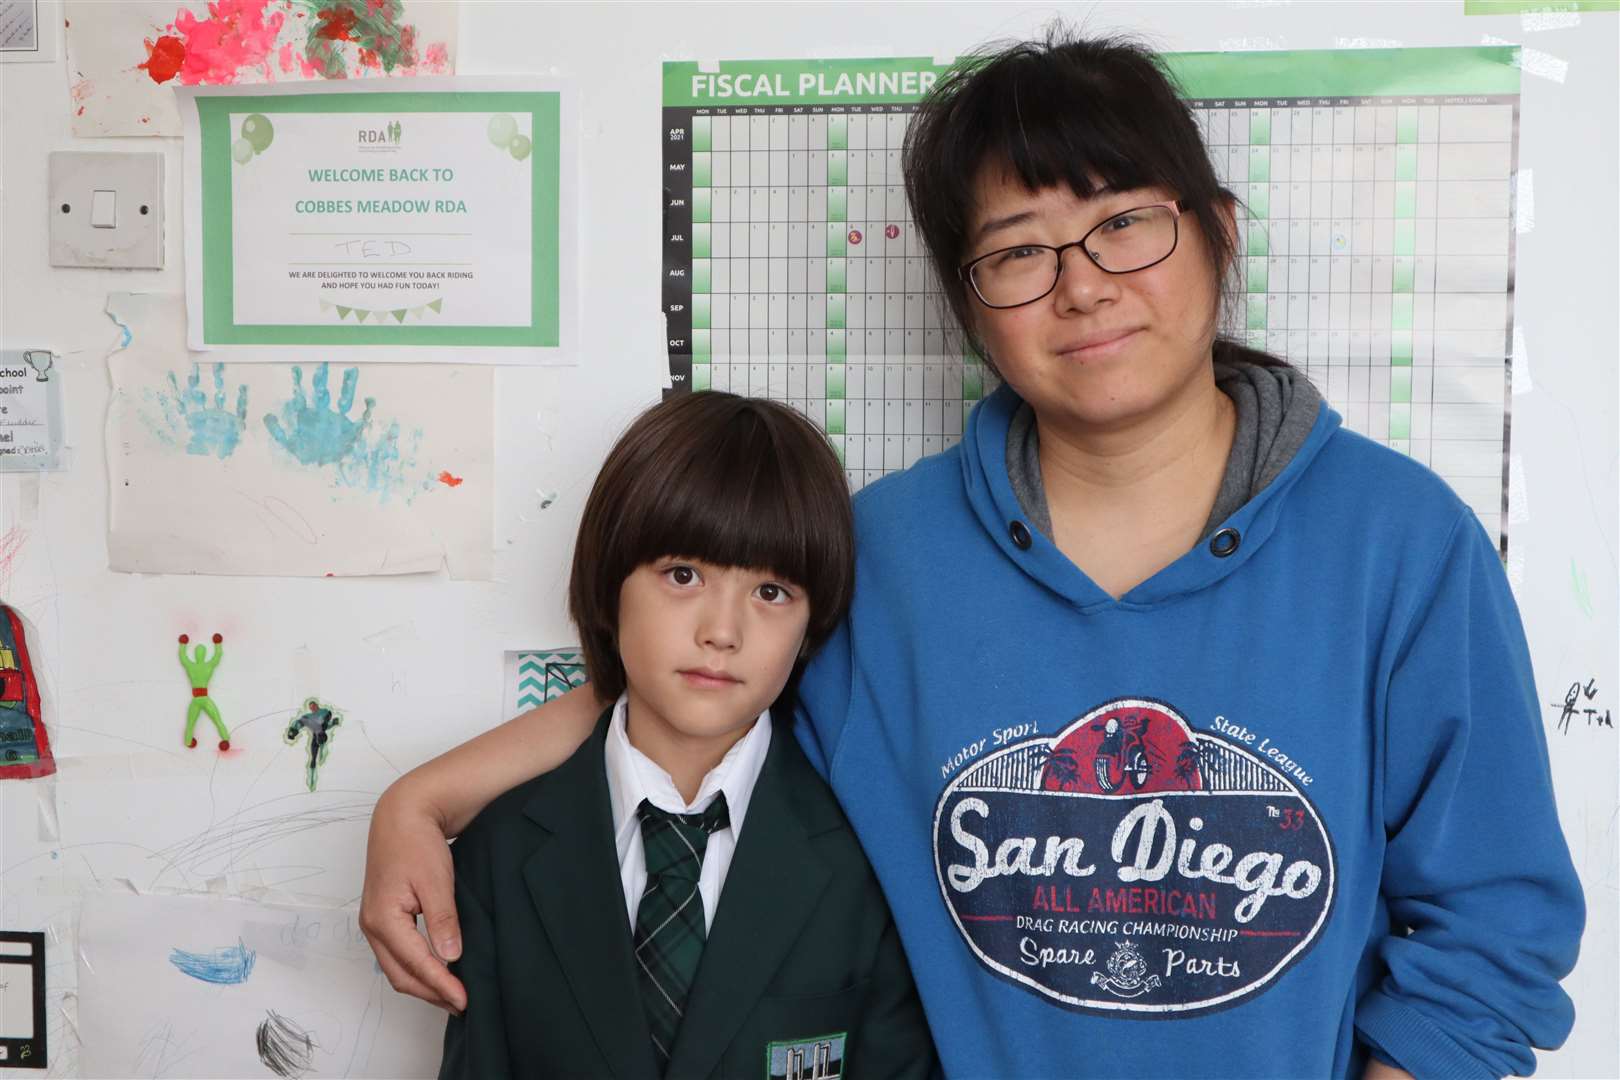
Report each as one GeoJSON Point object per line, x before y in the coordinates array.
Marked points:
{"type": "Point", "coordinates": [546, 674]}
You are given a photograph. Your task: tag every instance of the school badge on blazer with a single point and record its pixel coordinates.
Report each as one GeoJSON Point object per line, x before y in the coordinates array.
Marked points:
{"type": "Point", "coordinates": [818, 1058]}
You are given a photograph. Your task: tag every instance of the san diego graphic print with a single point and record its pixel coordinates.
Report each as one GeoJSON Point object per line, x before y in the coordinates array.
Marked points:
{"type": "Point", "coordinates": [1130, 865]}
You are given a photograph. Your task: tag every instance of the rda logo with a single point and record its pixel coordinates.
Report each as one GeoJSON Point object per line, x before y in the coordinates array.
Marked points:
{"type": "Point", "coordinates": [1129, 864]}
{"type": "Point", "coordinates": [384, 137]}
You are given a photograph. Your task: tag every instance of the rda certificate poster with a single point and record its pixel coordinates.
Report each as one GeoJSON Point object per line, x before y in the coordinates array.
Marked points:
{"type": "Point", "coordinates": [433, 217]}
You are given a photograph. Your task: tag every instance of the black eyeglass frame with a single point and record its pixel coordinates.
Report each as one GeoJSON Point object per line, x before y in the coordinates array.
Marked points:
{"type": "Point", "coordinates": [1177, 207]}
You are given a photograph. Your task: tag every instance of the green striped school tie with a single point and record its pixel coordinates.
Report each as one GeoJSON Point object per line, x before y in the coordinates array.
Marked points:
{"type": "Point", "coordinates": [669, 923]}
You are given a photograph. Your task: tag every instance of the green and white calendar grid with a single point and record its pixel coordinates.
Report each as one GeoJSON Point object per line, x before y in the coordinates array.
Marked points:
{"type": "Point", "coordinates": [1377, 245]}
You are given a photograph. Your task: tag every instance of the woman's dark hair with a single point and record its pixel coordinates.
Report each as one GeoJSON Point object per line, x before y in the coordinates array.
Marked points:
{"type": "Point", "coordinates": [1090, 114]}
{"type": "Point", "coordinates": [729, 480]}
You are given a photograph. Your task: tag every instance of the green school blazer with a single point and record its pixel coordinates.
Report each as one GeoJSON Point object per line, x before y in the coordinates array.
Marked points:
{"type": "Point", "coordinates": [802, 977]}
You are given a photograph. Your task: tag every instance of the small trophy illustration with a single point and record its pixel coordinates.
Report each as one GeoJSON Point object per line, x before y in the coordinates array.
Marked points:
{"type": "Point", "coordinates": [40, 360]}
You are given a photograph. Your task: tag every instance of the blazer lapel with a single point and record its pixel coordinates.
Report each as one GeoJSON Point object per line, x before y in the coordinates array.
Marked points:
{"type": "Point", "coordinates": [573, 878]}
{"type": "Point", "coordinates": [774, 883]}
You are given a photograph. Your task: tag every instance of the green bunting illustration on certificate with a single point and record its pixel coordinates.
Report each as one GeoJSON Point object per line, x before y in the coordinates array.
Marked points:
{"type": "Point", "coordinates": [433, 217]}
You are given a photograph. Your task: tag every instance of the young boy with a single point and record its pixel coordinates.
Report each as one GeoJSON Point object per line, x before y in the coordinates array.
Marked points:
{"type": "Point", "coordinates": [683, 897]}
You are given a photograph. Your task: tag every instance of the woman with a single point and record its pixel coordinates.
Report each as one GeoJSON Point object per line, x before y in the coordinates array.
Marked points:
{"type": "Point", "coordinates": [1163, 697]}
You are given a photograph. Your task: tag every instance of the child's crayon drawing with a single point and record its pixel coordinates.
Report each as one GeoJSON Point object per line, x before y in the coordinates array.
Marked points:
{"type": "Point", "coordinates": [321, 723]}
{"type": "Point", "coordinates": [285, 1048]}
{"type": "Point", "coordinates": [25, 749]}
{"type": "Point", "coordinates": [229, 966]}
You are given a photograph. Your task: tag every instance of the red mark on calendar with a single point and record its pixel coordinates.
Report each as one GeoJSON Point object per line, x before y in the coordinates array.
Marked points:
{"type": "Point", "coordinates": [855, 236]}
{"type": "Point", "coordinates": [891, 231]}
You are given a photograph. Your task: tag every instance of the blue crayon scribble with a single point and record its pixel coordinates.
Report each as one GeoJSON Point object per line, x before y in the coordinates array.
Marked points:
{"type": "Point", "coordinates": [207, 428]}
{"type": "Point", "coordinates": [127, 334]}
{"type": "Point", "coordinates": [225, 967]}
{"type": "Point", "coordinates": [316, 433]}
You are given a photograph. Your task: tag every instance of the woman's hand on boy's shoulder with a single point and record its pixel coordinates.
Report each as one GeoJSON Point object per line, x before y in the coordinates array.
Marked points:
{"type": "Point", "coordinates": [409, 872]}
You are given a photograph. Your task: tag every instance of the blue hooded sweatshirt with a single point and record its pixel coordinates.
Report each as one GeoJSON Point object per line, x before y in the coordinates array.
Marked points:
{"type": "Point", "coordinates": [1285, 802]}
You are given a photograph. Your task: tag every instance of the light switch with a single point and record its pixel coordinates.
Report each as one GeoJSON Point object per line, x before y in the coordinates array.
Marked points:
{"type": "Point", "coordinates": [104, 210]}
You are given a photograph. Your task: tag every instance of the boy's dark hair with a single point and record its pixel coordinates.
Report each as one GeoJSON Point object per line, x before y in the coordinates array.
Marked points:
{"type": "Point", "coordinates": [1069, 111]}
{"type": "Point", "coordinates": [730, 480]}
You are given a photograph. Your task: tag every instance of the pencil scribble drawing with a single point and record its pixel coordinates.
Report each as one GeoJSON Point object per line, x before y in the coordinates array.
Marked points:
{"type": "Point", "coordinates": [285, 1048]}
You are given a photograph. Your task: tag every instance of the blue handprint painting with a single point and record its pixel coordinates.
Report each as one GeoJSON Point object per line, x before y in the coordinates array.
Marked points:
{"type": "Point", "coordinates": [317, 433]}
{"type": "Point", "coordinates": [313, 431]}
{"type": "Point", "coordinates": [207, 428]}
{"type": "Point", "coordinates": [381, 466]}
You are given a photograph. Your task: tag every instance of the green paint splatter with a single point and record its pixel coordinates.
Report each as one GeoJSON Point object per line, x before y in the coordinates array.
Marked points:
{"type": "Point", "coordinates": [1582, 590]}
{"type": "Point", "coordinates": [378, 27]}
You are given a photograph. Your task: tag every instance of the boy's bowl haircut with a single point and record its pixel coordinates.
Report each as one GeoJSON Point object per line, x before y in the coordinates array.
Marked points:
{"type": "Point", "coordinates": [730, 480]}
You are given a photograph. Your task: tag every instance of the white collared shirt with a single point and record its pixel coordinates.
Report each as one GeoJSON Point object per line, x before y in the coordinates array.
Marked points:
{"type": "Point", "coordinates": [633, 776]}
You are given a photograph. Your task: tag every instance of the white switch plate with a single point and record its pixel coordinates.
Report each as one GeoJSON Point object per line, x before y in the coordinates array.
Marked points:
{"type": "Point", "coordinates": [136, 240]}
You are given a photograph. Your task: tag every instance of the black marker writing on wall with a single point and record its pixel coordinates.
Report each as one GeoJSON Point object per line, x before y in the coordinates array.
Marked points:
{"type": "Point", "coordinates": [1574, 706]}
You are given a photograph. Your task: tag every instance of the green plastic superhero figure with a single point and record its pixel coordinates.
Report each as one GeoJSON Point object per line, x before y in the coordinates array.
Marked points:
{"type": "Point", "coordinates": [199, 669]}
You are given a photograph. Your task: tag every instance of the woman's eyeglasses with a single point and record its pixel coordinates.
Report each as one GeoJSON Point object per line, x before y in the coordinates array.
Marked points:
{"type": "Point", "coordinates": [1131, 240]}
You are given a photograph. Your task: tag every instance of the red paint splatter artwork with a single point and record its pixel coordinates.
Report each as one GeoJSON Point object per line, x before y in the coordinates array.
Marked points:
{"type": "Point", "coordinates": [245, 37]}
{"type": "Point", "coordinates": [449, 481]}
{"type": "Point", "coordinates": [235, 36]}
{"type": "Point", "coordinates": [163, 58]}
{"type": "Point", "coordinates": [122, 81]}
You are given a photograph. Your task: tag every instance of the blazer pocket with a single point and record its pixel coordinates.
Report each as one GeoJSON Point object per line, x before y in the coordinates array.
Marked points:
{"type": "Point", "coordinates": [804, 1028]}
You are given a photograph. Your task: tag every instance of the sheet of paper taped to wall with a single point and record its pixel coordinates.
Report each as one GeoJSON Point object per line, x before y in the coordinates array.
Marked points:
{"type": "Point", "coordinates": [31, 427]}
{"type": "Point", "coordinates": [248, 990]}
{"type": "Point", "coordinates": [536, 676]}
{"type": "Point", "coordinates": [298, 470]}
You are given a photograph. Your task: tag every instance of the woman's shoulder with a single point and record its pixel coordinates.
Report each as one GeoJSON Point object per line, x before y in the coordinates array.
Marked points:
{"type": "Point", "coordinates": [893, 500]}
{"type": "Point", "coordinates": [1371, 479]}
